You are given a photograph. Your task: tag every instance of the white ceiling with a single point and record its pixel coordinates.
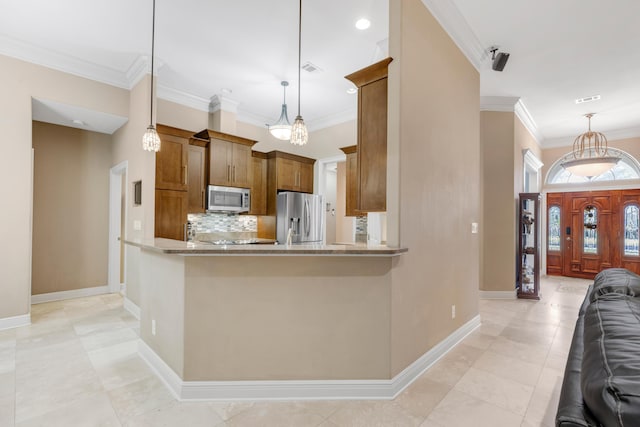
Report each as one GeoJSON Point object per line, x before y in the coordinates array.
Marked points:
{"type": "Point", "coordinates": [560, 51]}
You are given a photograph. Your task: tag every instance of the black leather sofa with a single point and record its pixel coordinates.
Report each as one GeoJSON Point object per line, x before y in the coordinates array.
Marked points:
{"type": "Point", "coordinates": [601, 385]}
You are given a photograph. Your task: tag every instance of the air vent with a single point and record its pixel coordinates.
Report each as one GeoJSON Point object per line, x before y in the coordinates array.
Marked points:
{"type": "Point", "coordinates": [587, 99]}
{"type": "Point", "coordinates": [311, 68]}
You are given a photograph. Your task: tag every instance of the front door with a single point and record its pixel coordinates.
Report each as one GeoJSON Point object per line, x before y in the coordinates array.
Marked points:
{"type": "Point", "coordinates": [587, 233]}
{"type": "Point", "coordinates": [593, 230]}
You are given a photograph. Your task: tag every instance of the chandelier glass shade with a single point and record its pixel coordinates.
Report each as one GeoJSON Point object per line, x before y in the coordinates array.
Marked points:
{"type": "Point", "coordinates": [150, 139]}
{"type": "Point", "coordinates": [299, 133]}
{"type": "Point", "coordinates": [282, 128]}
{"type": "Point", "coordinates": [590, 154]}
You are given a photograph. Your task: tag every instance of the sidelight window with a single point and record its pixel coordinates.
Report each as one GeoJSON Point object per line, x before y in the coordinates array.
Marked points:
{"type": "Point", "coordinates": [590, 238]}
{"type": "Point", "coordinates": [554, 228]}
{"type": "Point", "coordinates": [631, 226]}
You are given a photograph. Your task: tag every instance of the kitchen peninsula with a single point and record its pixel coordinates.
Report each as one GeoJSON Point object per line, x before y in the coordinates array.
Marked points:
{"type": "Point", "coordinates": [266, 321]}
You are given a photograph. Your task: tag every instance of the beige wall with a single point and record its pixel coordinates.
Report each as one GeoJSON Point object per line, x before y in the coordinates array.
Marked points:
{"type": "Point", "coordinates": [70, 208]}
{"type": "Point", "coordinates": [523, 140]}
{"type": "Point", "coordinates": [22, 81]}
{"type": "Point", "coordinates": [433, 182]}
{"type": "Point", "coordinates": [499, 208]}
{"type": "Point", "coordinates": [344, 224]}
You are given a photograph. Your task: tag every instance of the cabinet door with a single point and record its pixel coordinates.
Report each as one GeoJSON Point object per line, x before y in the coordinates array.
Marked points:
{"type": "Point", "coordinates": [351, 204]}
{"type": "Point", "coordinates": [305, 177]}
{"type": "Point", "coordinates": [171, 214]}
{"type": "Point", "coordinates": [196, 180]}
{"type": "Point", "coordinates": [220, 153]}
{"type": "Point", "coordinates": [240, 165]}
{"type": "Point", "coordinates": [171, 163]}
{"type": "Point", "coordinates": [372, 146]}
{"type": "Point", "coordinates": [258, 186]}
{"type": "Point", "coordinates": [287, 170]}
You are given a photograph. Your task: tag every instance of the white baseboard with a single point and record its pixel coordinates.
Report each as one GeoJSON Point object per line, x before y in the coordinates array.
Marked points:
{"type": "Point", "coordinates": [132, 308]}
{"type": "Point", "coordinates": [499, 294]}
{"type": "Point", "coordinates": [301, 390]}
{"type": "Point", "coordinates": [15, 321]}
{"type": "Point", "coordinates": [75, 293]}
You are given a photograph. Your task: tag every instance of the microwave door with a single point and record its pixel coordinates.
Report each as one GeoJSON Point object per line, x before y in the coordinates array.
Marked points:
{"type": "Point", "coordinates": [233, 199]}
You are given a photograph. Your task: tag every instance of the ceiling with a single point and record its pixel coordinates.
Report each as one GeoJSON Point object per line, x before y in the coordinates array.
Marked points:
{"type": "Point", "coordinates": [560, 51]}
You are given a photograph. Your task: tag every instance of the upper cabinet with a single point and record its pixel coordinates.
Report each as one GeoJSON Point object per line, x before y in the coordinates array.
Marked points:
{"type": "Point", "coordinates": [292, 172]}
{"type": "Point", "coordinates": [351, 193]}
{"type": "Point", "coordinates": [171, 160]}
{"type": "Point", "coordinates": [372, 136]}
{"type": "Point", "coordinates": [258, 183]}
{"type": "Point", "coordinates": [229, 159]}
{"type": "Point", "coordinates": [196, 178]}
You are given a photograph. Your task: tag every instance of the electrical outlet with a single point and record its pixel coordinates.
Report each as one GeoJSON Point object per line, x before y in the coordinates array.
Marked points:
{"type": "Point", "coordinates": [453, 311]}
{"type": "Point", "coordinates": [474, 228]}
{"type": "Point", "coordinates": [137, 225]}
{"type": "Point", "coordinates": [153, 326]}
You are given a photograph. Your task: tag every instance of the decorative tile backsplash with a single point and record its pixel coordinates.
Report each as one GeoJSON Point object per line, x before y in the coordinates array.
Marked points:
{"type": "Point", "coordinates": [211, 226]}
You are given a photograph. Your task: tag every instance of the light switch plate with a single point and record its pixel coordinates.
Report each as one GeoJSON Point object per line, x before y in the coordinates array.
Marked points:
{"type": "Point", "coordinates": [474, 227]}
{"type": "Point", "coordinates": [137, 225]}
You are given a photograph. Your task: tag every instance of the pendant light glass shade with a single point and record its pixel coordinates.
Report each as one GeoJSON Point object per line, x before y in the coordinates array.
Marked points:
{"type": "Point", "coordinates": [590, 155]}
{"type": "Point", "coordinates": [282, 128]}
{"type": "Point", "coordinates": [299, 134]}
{"type": "Point", "coordinates": [150, 139]}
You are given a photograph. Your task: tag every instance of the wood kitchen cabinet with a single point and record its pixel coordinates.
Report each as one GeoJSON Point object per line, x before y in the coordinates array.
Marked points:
{"type": "Point", "coordinates": [258, 183]}
{"type": "Point", "coordinates": [196, 179]}
{"type": "Point", "coordinates": [287, 172]}
{"type": "Point", "coordinates": [351, 193]}
{"type": "Point", "coordinates": [171, 160]}
{"type": "Point", "coordinates": [229, 159]}
{"type": "Point", "coordinates": [171, 214]}
{"type": "Point", "coordinates": [372, 136]}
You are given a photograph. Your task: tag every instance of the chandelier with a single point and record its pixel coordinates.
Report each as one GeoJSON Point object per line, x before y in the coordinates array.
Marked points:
{"type": "Point", "coordinates": [282, 128]}
{"type": "Point", "coordinates": [150, 139]}
{"type": "Point", "coordinates": [590, 154]}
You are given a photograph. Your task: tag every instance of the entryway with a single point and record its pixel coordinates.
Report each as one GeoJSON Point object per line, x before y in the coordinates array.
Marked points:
{"type": "Point", "coordinates": [592, 230]}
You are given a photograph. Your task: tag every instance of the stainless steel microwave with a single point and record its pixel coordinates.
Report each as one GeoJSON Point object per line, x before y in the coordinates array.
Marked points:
{"type": "Point", "coordinates": [228, 199]}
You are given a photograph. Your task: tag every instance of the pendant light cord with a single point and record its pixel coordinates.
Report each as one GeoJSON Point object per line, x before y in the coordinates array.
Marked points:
{"type": "Point", "coordinates": [153, 37]}
{"type": "Point", "coordinates": [299, 50]}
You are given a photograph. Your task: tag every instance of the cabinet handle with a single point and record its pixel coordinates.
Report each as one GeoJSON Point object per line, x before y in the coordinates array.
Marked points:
{"type": "Point", "coordinates": [202, 191]}
{"type": "Point", "coordinates": [234, 174]}
{"type": "Point", "coordinates": [186, 175]}
{"type": "Point", "coordinates": [228, 172]}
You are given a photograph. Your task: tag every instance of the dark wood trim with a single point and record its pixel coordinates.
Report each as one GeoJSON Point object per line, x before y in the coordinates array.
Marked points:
{"type": "Point", "coordinates": [198, 142]}
{"type": "Point", "coordinates": [259, 154]}
{"type": "Point", "coordinates": [350, 150]}
{"type": "Point", "coordinates": [283, 155]}
{"type": "Point", "coordinates": [370, 74]}
{"type": "Point", "coordinates": [208, 134]}
{"type": "Point", "coordinates": [169, 130]}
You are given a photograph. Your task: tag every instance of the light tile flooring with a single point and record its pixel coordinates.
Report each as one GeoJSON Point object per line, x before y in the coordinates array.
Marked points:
{"type": "Point", "coordinates": [76, 365]}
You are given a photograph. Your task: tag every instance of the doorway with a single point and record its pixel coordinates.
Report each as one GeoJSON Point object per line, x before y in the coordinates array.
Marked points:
{"type": "Point", "coordinates": [117, 220]}
{"type": "Point", "coordinates": [590, 231]}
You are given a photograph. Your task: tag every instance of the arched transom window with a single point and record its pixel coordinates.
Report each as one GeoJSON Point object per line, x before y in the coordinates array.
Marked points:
{"type": "Point", "coordinates": [627, 168]}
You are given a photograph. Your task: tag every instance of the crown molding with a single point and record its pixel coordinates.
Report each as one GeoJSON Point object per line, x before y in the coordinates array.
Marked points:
{"type": "Point", "coordinates": [498, 103]}
{"type": "Point", "coordinates": [61, 62]}
{"type": "Point", "coordinates": [138, 69]}
{"type": "Point", "coordinates": [219, 102]}
{"type": "Point", "coordinates": [182, 98]}
{"type": "Point", "coordinates": [450, 18]}
{"type": "Point", "coordinates": [523, 114]}
{"type": "Point", "coordinates": [614, 135]}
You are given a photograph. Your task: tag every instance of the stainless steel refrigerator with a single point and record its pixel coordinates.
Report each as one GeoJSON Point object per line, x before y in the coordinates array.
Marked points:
{"type": "Point", "coordinates": [302, 216]}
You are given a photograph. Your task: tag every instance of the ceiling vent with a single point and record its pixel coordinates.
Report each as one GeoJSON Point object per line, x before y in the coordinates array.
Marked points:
{"type": "Point", "coordinates": [587, 99]}
{"type": "Point", "coordinates": [311, 68]}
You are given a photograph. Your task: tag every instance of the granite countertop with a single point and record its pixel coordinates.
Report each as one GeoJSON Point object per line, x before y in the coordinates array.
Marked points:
{"type": "Point", "coordinates": [178, 247]}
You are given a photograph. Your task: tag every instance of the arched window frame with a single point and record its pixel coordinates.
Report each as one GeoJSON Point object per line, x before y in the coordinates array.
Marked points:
{"type": "Point", "coordinates": [632, 166]}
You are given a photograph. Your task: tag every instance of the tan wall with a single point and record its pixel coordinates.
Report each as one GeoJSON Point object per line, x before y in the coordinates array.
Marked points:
{"type": "Point", "coordinates": [344, 224]}
{"type": "Point", "coordinates": [499, 215]}
{"type": "Point", "coordinates": [523, 140]}
{"type": "Point", "coordinates": [70, 208]}
{"type": "Point", "coordinates": [179, 116]}
{"type": "Point", "coordinates": [22, 82]}
{"type": "Point", "coordinates": [433, 183]}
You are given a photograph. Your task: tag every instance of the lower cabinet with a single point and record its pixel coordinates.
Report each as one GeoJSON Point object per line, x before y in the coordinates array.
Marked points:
{"type": "Point", "coordinates": [171, 214]}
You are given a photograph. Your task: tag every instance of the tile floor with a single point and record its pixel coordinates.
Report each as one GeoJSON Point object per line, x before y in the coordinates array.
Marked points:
{"type": "Point", "coordinates": [76, 365]}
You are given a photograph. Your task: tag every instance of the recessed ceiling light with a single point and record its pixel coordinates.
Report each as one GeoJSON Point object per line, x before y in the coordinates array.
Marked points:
{"type": "Point", "coordinates": [226, 91]}
{"type": "Point", "coordinates": [363, 24]}
{"type": "Point", "coordinates": [352, 90]}
{"type": "Point", "coordinates": [588, 99]}
{"type": "Point", "coordinates": [78, 122]}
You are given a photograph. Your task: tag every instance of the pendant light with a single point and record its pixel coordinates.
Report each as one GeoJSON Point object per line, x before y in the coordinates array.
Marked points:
{"type": "Point", "coordinates": [590, 155]}
{"type": "Point", "coordinates": [150, 139]}
{"type": "Point", "coordinates": [299, 134]}
{"type": "Point", "coordinates": [282, 128]}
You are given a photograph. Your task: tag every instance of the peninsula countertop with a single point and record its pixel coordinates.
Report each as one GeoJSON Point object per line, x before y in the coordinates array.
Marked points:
{"type": "Point", "coordinates": [177, 247]}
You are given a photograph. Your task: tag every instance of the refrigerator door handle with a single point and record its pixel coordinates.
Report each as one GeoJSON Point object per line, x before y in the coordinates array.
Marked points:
{"type": "Point", "coordinates": [307, 218]}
